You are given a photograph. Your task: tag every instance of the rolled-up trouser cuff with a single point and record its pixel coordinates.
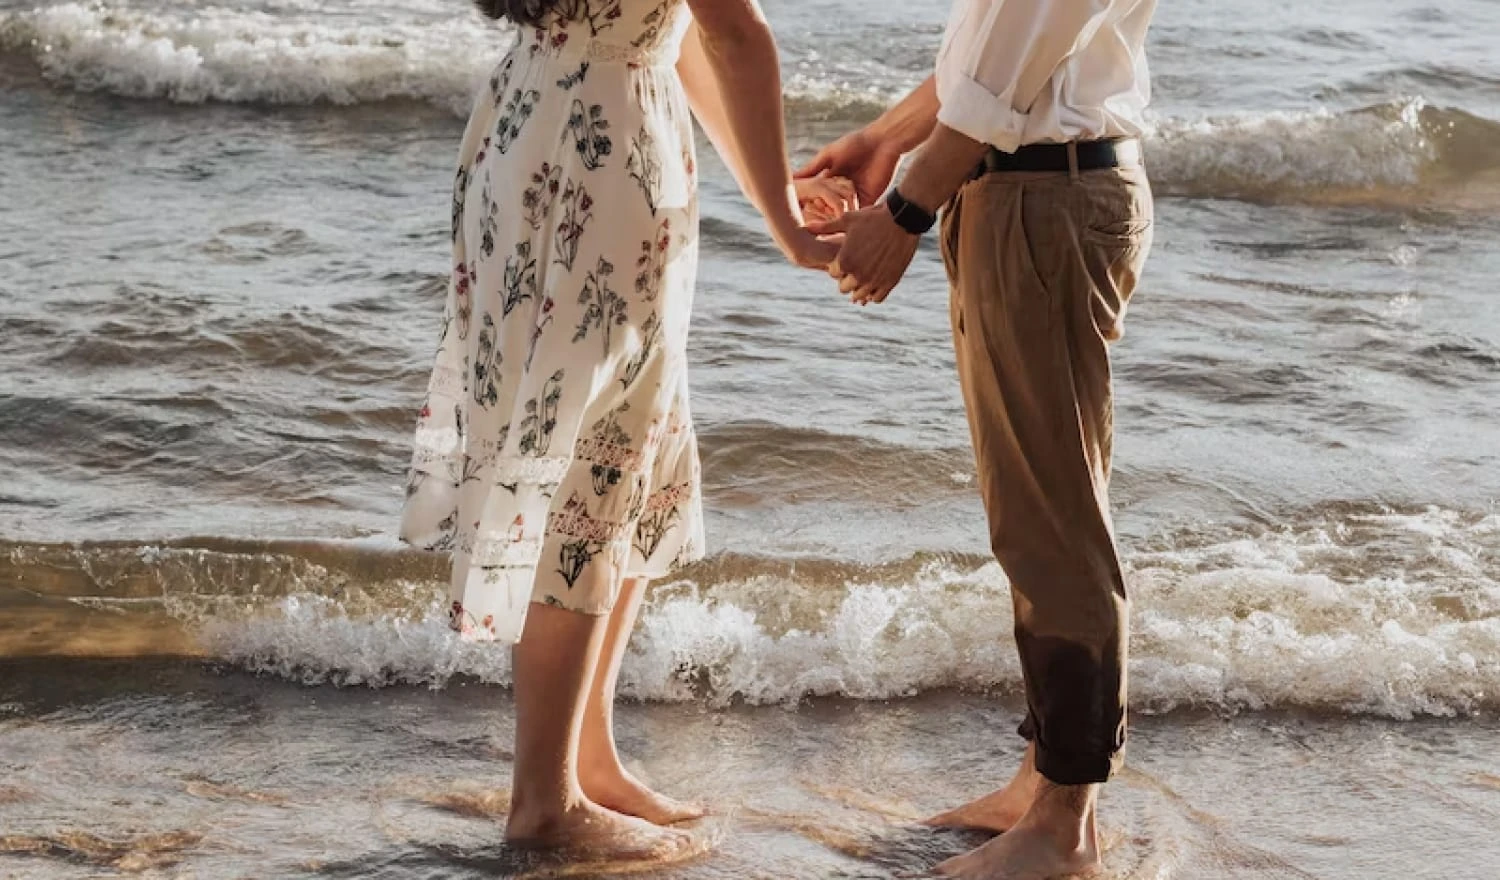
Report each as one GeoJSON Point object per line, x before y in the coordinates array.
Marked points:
{"type": "Point", "coordinates": [1071, 769]}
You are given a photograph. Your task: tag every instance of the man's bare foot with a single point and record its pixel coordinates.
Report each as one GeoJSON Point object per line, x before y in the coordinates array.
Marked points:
{"type": "Point", "coordinates": [998, 811]}
{"type": "Point", "coordinates": [593, 832]}
{"type": "Point", "coordinates": [1056, 838]}
{"type": "Point", "coordinates": [616, 789]}
{"type": "Point", "coordinates": [1020, 855]}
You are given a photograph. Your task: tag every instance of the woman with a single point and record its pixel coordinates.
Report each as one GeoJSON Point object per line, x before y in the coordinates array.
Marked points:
{"type": "Point", "coordinates": [555, 456]}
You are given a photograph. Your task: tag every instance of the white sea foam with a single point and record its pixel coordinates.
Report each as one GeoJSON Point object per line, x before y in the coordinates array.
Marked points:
{"type": "Point", "coordinates": [1278, 620]}
{"type": "Point", "coordinates": [1276, 153]}
{"type": "Point", "coordinates": [306, 55]}
{"type": "Point", "coordinates": [255, 57]}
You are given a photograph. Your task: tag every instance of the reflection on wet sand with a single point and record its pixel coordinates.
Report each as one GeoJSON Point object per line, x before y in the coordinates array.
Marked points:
{"type": "Point", "coordinates": [130, 854]}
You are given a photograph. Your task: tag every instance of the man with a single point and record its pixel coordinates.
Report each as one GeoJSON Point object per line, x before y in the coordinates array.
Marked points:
{"type": "Point", "coordinates": [1027, 134]}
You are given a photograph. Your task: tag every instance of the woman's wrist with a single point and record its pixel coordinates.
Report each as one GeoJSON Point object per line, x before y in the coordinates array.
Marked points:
{"type": "Point", "coordinates": [784, 216]}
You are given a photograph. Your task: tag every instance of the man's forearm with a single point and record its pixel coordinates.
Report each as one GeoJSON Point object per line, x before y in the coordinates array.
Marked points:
{"type": "Point", "coordinates": [905, 126]}
{"type": "Point", "coordinates": [940, 167]}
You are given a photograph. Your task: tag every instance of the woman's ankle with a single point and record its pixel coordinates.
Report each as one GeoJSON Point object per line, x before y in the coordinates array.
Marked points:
{"type": "Point", "coordinates": [598, 758]}
{"type": "Point", "coordinates": [538, 819]}
{"type": "Point", "coordinates": [544, 799]}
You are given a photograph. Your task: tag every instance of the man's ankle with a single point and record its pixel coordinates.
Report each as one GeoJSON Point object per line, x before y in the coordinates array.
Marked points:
{"type": "Point", "coordinates": [1064, 812]}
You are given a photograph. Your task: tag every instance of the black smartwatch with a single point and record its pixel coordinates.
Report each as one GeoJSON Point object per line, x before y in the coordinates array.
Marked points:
{"type": "Point", "coordinates": [907, 215]}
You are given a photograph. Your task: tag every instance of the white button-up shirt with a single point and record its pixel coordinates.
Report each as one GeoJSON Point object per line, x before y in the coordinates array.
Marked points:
{"type": "Point", "coordinates": [1015, 72]}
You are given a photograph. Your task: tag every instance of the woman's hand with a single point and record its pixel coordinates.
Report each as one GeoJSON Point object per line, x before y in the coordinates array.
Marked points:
{"type": "Point", "coordinates": [803, 248]}
{"type": "Point", "coordinates": [825, 197]}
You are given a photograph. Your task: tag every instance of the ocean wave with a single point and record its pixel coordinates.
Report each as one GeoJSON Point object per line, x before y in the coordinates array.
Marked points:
{"type": "Point", "coordinates": [1404, 153]}
{"type": "Point", "coordinates": [1394, 614]}
{"type": "Point", "coordinates": [228, 56]}
{"type": "Point", "coordinates": [223, 55]}
{"type": "Point", "coordinates": [1401, 153]}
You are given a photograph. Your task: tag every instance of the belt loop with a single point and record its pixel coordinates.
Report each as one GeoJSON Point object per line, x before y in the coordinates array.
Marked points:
{"type": "Point", "coordinates": [1073, 161]}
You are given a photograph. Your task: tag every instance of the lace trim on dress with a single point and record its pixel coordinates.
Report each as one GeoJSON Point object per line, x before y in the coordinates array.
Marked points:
{"type": "Point", "coordinates": [564, 41]}
{"type": "Point", "coordinates": [532, 470]}
{"type": "Point", "coordinates": [585, 527]}
{"type": "Point", "coordinates": [624, 54]}
{"type": "Point", "coordinates": [435, 444]}
{"type": "Point", "coordinates": [670, 496]}
{"type": "Point", "coordinates": [610, 454]}
{"type": "Point", "coordinates": [506, 553]}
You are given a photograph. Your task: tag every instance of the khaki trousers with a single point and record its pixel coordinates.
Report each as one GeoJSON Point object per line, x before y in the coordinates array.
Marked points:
{"type": "Point", "coordinates": [1041, 267]}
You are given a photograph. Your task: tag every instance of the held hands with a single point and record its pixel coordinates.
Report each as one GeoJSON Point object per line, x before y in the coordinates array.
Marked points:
{"type": "Point", "coordinates": [861, 248]}
{"type": "Point", "coordinates": [874, 252]}
{"type": "Point", "coordinates": [821, 198]}
{"type": "Point", "coordinates": [825, 197]}
{"type": "Point", "coordinates": [868, 163]}
{"type": "Point", "coordinates": [805, 249]}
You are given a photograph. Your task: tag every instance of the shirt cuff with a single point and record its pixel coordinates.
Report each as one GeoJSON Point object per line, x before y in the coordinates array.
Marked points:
{"type": "Point", "coordinates": [974, 111]}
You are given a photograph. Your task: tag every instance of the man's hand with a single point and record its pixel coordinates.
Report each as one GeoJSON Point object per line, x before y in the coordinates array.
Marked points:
{"type": "Point", "coordinates": [869, 156]}
{"type": "Point", "coordinates": [868, 161]}
{"type": "Point", "coordinates": [875, 253]}
{"type": "Point", "coordinates": [876, 250]}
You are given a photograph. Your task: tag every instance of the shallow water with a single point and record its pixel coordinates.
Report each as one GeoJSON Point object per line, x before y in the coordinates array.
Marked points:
{"type": "Point", "coordinates": [180, 770]}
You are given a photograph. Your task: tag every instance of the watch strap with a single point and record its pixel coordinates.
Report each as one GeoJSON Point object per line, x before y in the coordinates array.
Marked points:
{"type": "Point", "coordinates": [908, 216]}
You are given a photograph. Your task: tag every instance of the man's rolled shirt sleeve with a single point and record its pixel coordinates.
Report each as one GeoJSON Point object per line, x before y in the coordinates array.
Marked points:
{"type": "Point", "coordinates": [998, 56]}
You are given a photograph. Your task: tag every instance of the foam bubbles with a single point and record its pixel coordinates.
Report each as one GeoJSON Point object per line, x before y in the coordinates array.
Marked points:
{"type": "Point", "coordinates": [1265, 154]}
{"type": "Point", "coordinates": [1278, 620]}
{"type": "Point", "coordinates": [311, 639]}
{"type": "Point", "coordinates": [306, 54]}
{"type": "Point", "coordinates": [252, 57]}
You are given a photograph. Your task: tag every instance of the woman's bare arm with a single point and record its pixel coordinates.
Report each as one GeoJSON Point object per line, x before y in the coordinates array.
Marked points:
{"type": "Point", "coordinates": [827, 197]}
{"type": "Point", "coordinates": [702, 88]}
{"type": "Point", "coordinates": [738, 49]}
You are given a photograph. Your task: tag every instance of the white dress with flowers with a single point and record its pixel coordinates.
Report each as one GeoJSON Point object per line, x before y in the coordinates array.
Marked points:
{"type": "Point", "coordinates": [555, 453]}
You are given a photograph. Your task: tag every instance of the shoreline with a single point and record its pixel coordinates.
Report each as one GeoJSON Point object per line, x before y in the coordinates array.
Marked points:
{"type": "Point", "coordinates": [374, 783]}
{"type": "Point", "coordinates": [63, 680]}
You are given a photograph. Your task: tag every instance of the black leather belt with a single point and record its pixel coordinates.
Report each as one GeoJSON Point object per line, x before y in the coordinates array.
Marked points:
{"type": "Point", "coordinates": [1092, 155]}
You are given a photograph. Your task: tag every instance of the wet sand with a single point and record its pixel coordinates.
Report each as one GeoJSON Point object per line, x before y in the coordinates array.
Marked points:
{"type": "Point", "coordinates": [167, 767]}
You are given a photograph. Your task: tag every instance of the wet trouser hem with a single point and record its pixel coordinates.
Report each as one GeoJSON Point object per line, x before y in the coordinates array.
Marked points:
{"type": "Point", "coordinates": [1062, 769]}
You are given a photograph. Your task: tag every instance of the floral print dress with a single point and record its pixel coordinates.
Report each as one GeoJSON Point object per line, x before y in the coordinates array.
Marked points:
{"type": "Point", "coordinates": [555, 453]}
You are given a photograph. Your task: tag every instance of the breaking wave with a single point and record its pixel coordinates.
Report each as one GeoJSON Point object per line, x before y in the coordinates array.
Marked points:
{"type": "Point", "coordinates": [1404, 152]}
{"type": "Point", "coordinates": [1395, 614]}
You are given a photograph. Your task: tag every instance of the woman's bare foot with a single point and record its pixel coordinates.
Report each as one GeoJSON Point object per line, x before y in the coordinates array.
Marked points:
{"type": "Point", "coordinates": [998, 811]}
{"type": "Point", "coordinates": [1056, 838]}
{"type": "Point", "coordinates": [592, 832]}
{"type": "Point", "coordinates": [616, 789]}
{"type": "Point", "coordinates": [601, 775]}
